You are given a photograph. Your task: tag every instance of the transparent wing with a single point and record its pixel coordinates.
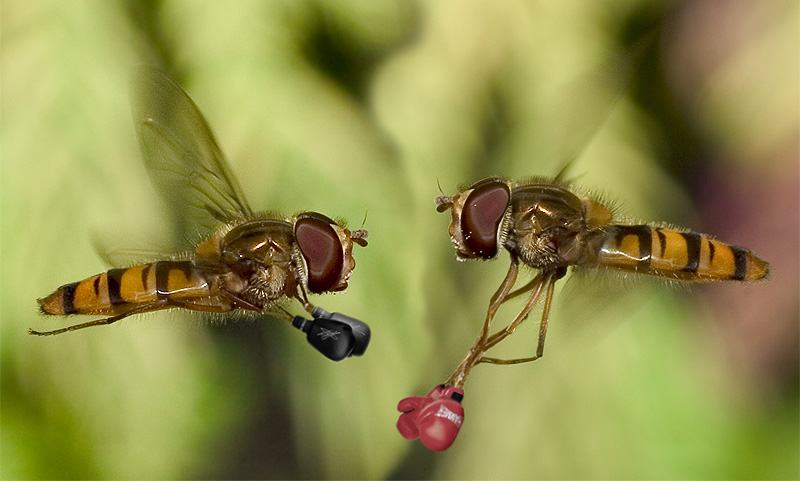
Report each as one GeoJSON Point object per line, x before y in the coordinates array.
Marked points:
{"type": "Point", "coordinates": [590, 100]}
{"type": "Point", "coordinates": [131, 257]}
{"type": "Point", "coordinates": [113, 255]}
{"type": "Point", "coordinates": [181, 154]}
{"type": "Point", "coordinates": [594, 301]}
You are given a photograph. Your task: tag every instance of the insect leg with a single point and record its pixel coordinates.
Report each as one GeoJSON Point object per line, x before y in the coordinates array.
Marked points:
{"type": "Point", "coordinates": [102, 322]}
{"type": "Point", "coordinates": [459, 374]}
{"type": "Point", "coordinates": [283, 312]}
{"type": "Point", "coordinates": [521, 316]}
{"type": "Point", "coordinates": [500, 296]}
{"type": "Point", "coordinates": [526, 288]}
{"type": "Point", "coordinates": [548, 302]}
{"type": "Point", "coordinates": [238, 302]}
{"type": "Point", "coordinates": [303, 298]}
{"type": "Point", "coordinates": [194, 306]}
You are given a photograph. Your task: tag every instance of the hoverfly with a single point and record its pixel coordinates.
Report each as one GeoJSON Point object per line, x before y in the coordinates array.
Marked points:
{"type": "Point", "coordinates": [248, 262]}
{"type": "Point", "coordinates": [548, 225]}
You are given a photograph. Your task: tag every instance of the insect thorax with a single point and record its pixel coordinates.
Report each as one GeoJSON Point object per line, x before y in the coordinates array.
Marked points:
{"type": "Point", "coordinates": [267, 285]}
{"type": "Point", "coordinates": [549, 228]}
{"type": "Point", "coordinates": [259, 254]}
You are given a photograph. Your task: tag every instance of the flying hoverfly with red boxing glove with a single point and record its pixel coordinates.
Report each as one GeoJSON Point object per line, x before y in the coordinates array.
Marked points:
{"type": "Point", "coordinates": [550, 225]}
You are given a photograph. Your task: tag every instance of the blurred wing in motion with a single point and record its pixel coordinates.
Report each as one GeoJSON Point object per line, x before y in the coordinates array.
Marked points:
{"type": "Point", "coordinates": [595, 301]}
{"type": "Point", "coordinates": [114, 257]}
{"type": "Point", "coordinates": [181, 154]}
{"type": "Point", "coordinates": [591, 100]}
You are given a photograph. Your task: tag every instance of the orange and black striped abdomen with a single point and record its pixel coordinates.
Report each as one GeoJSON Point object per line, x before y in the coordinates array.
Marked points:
{"type": "Point", "coordinates": [118, 290]}
{"type": "Point", "coordinates": [677, 254]}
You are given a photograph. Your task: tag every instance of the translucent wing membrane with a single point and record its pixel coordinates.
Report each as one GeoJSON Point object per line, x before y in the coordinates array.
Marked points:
{"type": "Point", "coordinates": [119, 257]}
{"type": "Point", "coordinates": [591, 100]}
{"type": "Point", "coordinates": [181, 154]}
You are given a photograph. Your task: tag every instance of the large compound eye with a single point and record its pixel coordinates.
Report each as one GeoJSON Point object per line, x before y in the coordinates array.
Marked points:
{"type": "Point", "coordinates": [317, 216]}
{"type": "Point", "coordinates": [322, 250]}
{"type": "Point", "coordinates": [481, 217]}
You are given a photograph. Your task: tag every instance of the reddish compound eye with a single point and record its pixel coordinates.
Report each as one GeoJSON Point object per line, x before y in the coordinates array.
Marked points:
{"type": "Point", "coordinates": [481, 217]}
{"type": "Point", "coordinates": [322, 251]}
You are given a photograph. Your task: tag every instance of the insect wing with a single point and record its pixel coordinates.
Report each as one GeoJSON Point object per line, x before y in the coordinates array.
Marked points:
{"type": "Point", "coordinates": [585, 103]}
{"type": "Point", "coordinates": [115, 257]}
{"type": "Point", "coordinates": [181, 154]}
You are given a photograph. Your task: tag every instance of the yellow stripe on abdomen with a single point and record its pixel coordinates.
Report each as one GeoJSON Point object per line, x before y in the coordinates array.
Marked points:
{"type": "Point", "coordinates": [117, 290]}
{"type": "Point", "coordinates": [678, 255]}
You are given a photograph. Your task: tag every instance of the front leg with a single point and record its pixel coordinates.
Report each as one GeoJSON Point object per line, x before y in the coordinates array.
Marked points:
{"type": "Point", "coordinates": [542, 331]}
{"type": "Point", "coordinates": [302, 297]}
{"type": "Point", "coordinates": [500, 296]}
{"type": "Point", "coordinates": [459, 374]}
{"type": "Point", "coordinates": [543, 280]}
{"type": "Point", "coordinates": [239, 303]}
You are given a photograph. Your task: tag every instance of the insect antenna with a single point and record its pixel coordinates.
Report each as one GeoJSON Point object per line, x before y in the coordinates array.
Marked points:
{"type": "Point", "coordinates": [443, 202]}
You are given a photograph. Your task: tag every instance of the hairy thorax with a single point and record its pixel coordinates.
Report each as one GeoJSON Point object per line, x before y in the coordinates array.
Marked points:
{"type": "Point", "coordinates": [266, 285]}
{"type": "Point", "coordinates": [536, 249]}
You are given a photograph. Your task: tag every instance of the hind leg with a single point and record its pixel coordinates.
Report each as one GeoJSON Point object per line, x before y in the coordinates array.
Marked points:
{"type": "Point", "coordinates": [160, 304]}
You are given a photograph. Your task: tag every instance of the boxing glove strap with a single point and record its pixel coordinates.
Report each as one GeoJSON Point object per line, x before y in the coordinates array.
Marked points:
{"type": "Point", "coordinates": [455, 396]}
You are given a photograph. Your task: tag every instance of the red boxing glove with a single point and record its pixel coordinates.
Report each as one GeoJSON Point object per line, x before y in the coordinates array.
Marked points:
{"type": "Point", "coordinates": [435, 418]}
{"type": "Point", "coordinates": [440, 420]}
{"type": "Point", "coordinates": [407, 422]}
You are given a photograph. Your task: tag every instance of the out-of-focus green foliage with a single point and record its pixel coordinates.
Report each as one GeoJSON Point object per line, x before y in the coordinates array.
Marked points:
{"type": "Point", "coordinates": [354, 106]}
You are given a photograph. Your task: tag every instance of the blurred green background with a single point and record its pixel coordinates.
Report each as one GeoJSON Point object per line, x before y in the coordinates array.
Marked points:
{"type": "Point", "coordinates": [353, 106]}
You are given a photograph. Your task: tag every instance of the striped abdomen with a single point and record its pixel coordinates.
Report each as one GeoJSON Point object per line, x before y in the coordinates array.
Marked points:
{"type": "Point", "coordinates": [120, 290]}
{"type": "Point", "coordinates": [679, 255]}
